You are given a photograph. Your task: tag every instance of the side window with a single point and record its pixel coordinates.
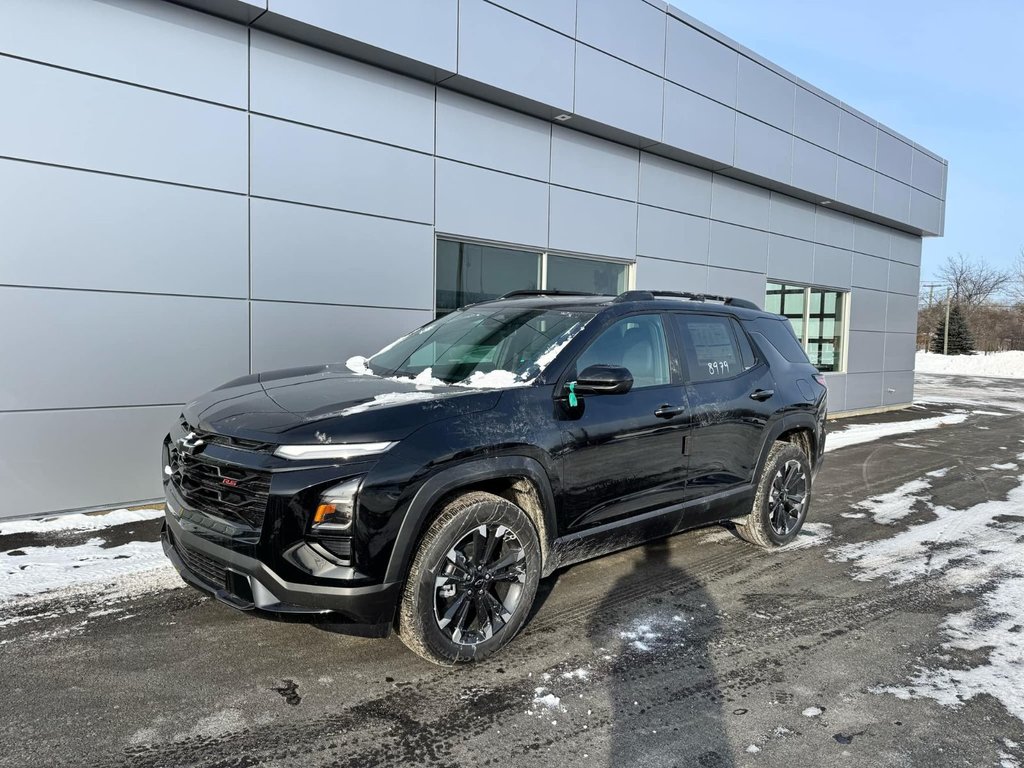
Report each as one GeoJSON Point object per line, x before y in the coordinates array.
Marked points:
{"type": "Point", "coordinates": [711, 347]}
{"type": "Point", "coordinates": [746, 352]}
{"type": "Point", "coordinates": [636, 343]}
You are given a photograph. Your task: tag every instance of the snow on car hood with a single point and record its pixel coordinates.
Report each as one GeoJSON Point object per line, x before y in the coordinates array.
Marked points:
{"type": "Point", "coordinates": [295, 404]}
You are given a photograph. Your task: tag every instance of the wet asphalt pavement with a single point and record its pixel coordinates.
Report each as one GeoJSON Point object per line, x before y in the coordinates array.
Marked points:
{"type": "Point", "coordinates": [697, 651]}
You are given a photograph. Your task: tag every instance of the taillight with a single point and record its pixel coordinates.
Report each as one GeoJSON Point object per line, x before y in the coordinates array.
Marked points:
{"type": "Point", "coordinates": [820, 379]}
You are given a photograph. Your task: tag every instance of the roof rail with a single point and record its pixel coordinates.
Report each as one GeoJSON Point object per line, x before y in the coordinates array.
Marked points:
{"type": "Point", "coordinates": [651, 295]}
{"type": "Point", "coordinates": [540, 292]}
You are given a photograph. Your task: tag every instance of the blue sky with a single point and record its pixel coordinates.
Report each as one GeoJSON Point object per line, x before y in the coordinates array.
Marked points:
{"type": "Point", "coordinates": [948, 75]}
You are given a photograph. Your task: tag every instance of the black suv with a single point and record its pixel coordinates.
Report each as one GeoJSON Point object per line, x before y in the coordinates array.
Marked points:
{"type": "Point", "coordinates": [431, 486]}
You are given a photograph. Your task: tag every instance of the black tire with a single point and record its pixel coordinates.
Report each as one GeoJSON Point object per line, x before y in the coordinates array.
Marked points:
{"type": "Point", "coordinates": [477, 538]}
{"type": "Point", "coordinates": [782, 498]}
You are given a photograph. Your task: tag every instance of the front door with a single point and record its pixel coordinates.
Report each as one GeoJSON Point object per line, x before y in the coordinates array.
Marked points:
{"type": "Point", "coordinates": [731, 396]}
{"type": "Point", "coordinates": [624, 454]}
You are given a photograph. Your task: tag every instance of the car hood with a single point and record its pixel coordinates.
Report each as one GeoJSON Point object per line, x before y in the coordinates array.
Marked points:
{"type": "Point", "coordinates": [329, 403]}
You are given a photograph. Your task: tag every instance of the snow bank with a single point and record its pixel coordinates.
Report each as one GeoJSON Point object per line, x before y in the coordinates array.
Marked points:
{"type": "Point", "coordinates": [93, 567]}
{"type": "Point", "coordinates": [80, 522]}
{"type": "Point", "coordinates": [973, 550]}
{"type": "Point", "coordinates": [866, 433]}
{"type": "Point", "coordinates": [1007, 365]}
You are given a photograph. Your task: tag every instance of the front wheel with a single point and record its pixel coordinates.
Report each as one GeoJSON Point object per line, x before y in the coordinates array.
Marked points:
{"type": "Point", "coordinates": [782, 498]}
{"type": "Point", "coordinates": [472, 581]}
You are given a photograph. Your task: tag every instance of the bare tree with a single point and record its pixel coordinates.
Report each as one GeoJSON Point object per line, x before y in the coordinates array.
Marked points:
{"type": "Point", "coordinates": [1016, 289]}
{"type": "Point", "coordinates": [972, 281]}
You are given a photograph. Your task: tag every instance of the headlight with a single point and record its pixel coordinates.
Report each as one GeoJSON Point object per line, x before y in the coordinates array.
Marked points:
{"type": "Point", "coordinates": [337, 507]}
{"type": "Point", "coordinates": [331, 450]}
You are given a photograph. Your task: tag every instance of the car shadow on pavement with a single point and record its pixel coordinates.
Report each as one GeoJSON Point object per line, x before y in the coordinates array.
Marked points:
{"type": "Point", "coordinates": [666, 708]}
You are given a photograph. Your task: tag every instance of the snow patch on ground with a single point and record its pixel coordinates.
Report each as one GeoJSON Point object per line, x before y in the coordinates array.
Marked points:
{"type": "Point", "coordinates": [45, 569]}
{"type": "Point", "coordinates": [812, 712]}
{"type": "Point", "coordinates": [811, 535]}
{"type": "Point", "coordinates": [889, 508]}
{"type": "Point", "coordinates": [978, 393]}
{"type": "Point", "coordinates": [546, 700]}
{"type": "Point", "coordinates": [1006, 365]}
{"type": "Point", "coordinates": [31, 578]}
{"type": "Point", "coordinates": [866, 433]}
{"type": "Point", "coordinates": [973, 550]}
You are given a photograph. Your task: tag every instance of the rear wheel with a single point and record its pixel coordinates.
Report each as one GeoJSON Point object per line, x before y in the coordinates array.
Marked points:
{"type": "Point", "coordinates": [782, 498]}
{"type": "Point", "coordinates": [472, 581]}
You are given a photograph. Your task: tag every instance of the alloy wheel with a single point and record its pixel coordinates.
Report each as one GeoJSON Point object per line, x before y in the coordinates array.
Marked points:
{"type": "Point", "coordinates": [479, 584]}
{"type": "Point", "coordinates": [788, 497]}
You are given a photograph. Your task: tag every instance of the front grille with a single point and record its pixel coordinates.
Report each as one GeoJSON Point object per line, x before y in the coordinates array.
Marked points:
{"type": "Point", "coordinates": [220, 489]}
{"type": "Point", "coordinates": [215, 439]}
{"type": "Point", "coordinates": [207, 569]}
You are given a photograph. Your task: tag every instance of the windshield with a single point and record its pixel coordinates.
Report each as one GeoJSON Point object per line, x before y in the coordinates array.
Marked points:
{"type": "Point", "coordinates": [482, 346]}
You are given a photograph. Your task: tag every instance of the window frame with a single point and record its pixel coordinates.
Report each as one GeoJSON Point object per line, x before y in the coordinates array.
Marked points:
{"type": "Point", "coordinates": [843, 308]}
{"type": "Point", "coordinates": [543, 253]}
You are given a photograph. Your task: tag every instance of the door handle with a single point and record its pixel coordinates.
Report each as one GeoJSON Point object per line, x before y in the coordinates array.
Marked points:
{"type": "Point", "coordinates": [761, 394]}
{"type": "Point", "coordinates": [668, 411]}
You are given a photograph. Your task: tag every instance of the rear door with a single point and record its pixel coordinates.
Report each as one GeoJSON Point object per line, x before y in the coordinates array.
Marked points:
{"type": "Point", "coordinates": [731, 394]}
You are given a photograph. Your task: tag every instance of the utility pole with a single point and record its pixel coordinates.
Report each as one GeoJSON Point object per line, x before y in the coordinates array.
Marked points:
{"type": "Point", "coordinates": [931, 291]}
{"type": "Point", "coordinates": [949, 303]}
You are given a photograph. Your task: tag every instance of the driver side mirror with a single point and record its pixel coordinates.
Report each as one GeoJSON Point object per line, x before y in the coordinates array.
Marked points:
{"type": "Point", "coordinates": [604, 380]}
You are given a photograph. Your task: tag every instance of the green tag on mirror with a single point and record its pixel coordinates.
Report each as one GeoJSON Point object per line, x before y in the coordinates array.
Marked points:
{"type": "Point", "coordinates": [573, 402]}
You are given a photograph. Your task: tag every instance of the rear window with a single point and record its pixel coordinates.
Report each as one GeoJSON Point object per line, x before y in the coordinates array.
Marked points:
{"type": "Point", "coordinates": [780, 334]}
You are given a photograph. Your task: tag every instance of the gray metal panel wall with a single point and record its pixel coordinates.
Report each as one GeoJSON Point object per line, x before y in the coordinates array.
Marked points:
{"type": "Point", "coordinates": [174, 234]}
{"type": "Point", "coordinates": [655, 77]}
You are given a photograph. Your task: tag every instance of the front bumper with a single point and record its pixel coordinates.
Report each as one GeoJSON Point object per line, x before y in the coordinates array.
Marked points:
{"type": "Point", "coordinates": [247, 584]}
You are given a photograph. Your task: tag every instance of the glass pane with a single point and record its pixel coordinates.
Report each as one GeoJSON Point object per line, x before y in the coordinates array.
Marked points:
{"type": "Point", "coordinates": [566, 273]}
{"type": "Point", "coordinates": [788, 301]}
{"type": "Point", "coordinates": [710, 347]}
{"type": "Point", "coordinates": [636, 343]}
{"type": "Point", "coordinates": [484, 345]}
{"type": "Point", "coordinates": [824, 343]}
{"type": "Point", "coordinates": [468, 273]}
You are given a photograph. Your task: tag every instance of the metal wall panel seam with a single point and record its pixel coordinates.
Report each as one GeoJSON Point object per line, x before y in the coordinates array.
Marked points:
{"type": "Point", "coordinates": [563, 186]}
{"type": "Point", "coordinates": [119, 291]}
{"type": "Point", "coordinates": [538, 22]}
{"type": "Point", "coordinates": [691, 263]}
{"type": "Point", "coordinates": [359, 213]}
{"type": "Point", "coordinates": [280, 119]}
{"type": "Point", "coordinates": [248, 165]}
{"type": "Point", "coordinates": [119, 81]}
{"type": "Point", "coordinates": [332, 304]}
{"type": "Point", "coordinates": [91, 408]}
{"type": "Point", "coordinates": [121, 175]}
{"type": "Point", "coordinates": [503, 172]}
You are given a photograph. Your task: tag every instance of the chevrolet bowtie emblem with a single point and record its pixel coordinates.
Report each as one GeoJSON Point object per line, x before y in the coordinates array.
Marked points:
{"type": "Point", "coordinates": [189, 444]}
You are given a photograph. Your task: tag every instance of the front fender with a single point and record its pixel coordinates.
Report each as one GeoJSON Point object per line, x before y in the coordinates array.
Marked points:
{"type": "Point", "coordinates": [424, 501]}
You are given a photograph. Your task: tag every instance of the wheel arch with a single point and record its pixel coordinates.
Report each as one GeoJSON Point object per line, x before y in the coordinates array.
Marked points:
{"type": "Point", "coordinates": [797, 428]}
{"type": "Point", "coordinates": [520, 479]}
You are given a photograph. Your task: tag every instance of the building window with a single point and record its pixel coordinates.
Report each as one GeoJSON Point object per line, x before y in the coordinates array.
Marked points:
{"type": "Point", "coordinates": [470, 272]}
{"type": "Point", "coordinates": [818, 317]}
